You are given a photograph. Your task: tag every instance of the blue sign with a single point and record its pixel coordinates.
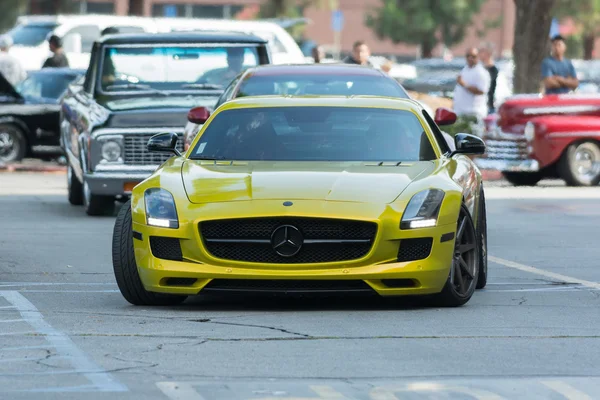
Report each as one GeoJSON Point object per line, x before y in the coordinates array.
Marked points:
{"type": "Point", "coordinates": [170, 11]}
{"type": "Point", "coordinates": [554, 28]}
{"type": "Point", "coordinates": [337, 21]}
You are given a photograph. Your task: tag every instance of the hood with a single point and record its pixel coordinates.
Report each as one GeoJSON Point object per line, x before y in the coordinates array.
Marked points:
{"type": "Point", "coordinates": [263, 180]}
{"type": "Point", "coordinates": [6, 89]}
{"type": "Point", "coordinates": [152, 111]}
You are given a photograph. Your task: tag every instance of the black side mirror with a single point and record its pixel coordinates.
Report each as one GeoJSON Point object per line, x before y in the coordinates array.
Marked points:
{"type": "Point", "coordinates": [164, 143]}
{"type": "Point", "coordinates": [468, 144]}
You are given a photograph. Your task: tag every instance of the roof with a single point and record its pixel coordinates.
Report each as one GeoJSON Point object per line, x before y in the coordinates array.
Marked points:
{"type": "Point", "coordinates": [324, 101]}
{"type": "Point", "coordinates": [313, 69]}
{"type": "Point", "coordinates": [182, 37]}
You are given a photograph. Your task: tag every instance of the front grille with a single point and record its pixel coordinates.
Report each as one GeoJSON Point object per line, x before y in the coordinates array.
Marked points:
{"type": "Point", "coordinates": [166, 248]}
{"type": "Point", "coordinates": [324, 240]}
{"type": "Point", "coordinates": [414, 249]}
{"type": "Point", "coordinates": [506, 149]}
{"type": "Point", "coordinates": [136, 152]}
{"type": "Point", "coordinates": [260, 285]}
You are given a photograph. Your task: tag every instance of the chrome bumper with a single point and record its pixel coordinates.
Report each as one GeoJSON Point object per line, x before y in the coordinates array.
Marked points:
{"type": "Point", "coordinates": [111, 180]}
{"type": "Point", "coordinates": [528, 165]}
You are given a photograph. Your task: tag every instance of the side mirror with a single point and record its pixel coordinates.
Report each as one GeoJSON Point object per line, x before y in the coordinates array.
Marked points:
{"type": "Point", "coordinates": [468, 144]}
{"type": "Point", "coordinates": [164, 143]}
{"type": "Point", "coordinates": [444, 116]}
{"type": "Point", "coordinates": [198, 115]}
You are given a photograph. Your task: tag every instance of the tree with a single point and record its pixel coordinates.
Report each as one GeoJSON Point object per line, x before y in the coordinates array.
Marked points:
{"type": "Point", "coordinates": [532, 28]}
{"type": "Point", "coordinates": [423, 22]}
{"type": "Point", "coordinates": [586, 14]}
{"type": "Point", "coordinates": [11, 10]}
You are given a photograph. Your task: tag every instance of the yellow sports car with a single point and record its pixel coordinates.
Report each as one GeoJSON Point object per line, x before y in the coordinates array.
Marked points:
{"type": "Point", "coordinates": [308, 194]}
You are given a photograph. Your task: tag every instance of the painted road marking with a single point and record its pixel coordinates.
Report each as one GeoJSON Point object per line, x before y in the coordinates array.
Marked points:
{"type": "Point", "coordinates": [65, 347]}
{"type": "Point", "coordinates": [547, 274]}
{"type": "Point", "coordinates": [503, 193]}
{"type": "Point", "coordinates": [566, 390]}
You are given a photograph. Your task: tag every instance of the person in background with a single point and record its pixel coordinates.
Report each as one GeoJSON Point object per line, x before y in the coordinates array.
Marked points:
{"type": "Point", "coordinates": [10, 67]}
{"type": "Point", "coordinates": [470, 95]}
{"type": "Point", "coordinates": [318, 54]}
{"type": "Point", "coordinates": [58, 59]}
{"type": "Point", "coordinates": [387, 66]}
{"type": "Point", "coordinates": [360, 54]}
{"type": "Point", "coordinates": [558, 73]}
{"type": "Point", "coordinates": [486, 54]}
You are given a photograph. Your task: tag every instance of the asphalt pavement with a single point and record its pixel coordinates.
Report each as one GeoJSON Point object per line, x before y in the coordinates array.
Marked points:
{"type": "Point", "coordinates": [66, 332]}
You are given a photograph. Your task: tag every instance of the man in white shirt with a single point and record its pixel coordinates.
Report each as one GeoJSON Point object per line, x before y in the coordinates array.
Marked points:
{"type": "Point", "coordinates": [473, 84]}
{"type": "Point", "coordinates": [10, 67]}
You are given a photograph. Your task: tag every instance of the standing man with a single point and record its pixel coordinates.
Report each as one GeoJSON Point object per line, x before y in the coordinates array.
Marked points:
{"type": "Point", "coordinates": [58, 59]}
{"type": "Point", "coordinates": [487, 59]}
{"type": "Point", "coordinates": [318, 54]}
{"type": "Point", "coordinates": [10, 67]}
{"type": "Point", "coordinates": [470, 94]}
{"type": "Point", "coordinates": [360, 54]}
{"type": "Point", "coordinates": [558, 73]}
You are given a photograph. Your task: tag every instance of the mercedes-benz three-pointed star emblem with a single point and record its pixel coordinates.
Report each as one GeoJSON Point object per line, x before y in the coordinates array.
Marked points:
{"type": "Point", "coordinates": [287, 240]}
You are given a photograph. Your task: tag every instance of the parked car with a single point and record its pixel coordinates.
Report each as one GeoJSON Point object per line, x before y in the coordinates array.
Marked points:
{"type": "Point", "coordinates": [139, 85]}
{"type": "Point", "coordinates": [29, 113]}
{"type": "Point", "coordinates": [306, 79]}
{"type": "Point", "coordinates": [554, 136]}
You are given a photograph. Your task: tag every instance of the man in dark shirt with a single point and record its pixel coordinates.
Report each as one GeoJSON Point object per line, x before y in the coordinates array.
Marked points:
{"type": "Point", "coordinates": [558, 72]}
{"type": "Point", "coordinates": [360, 54]}
{"type": "Point", "coordinates": [487, 59]}
{"type": "Point", "coordinates": [58, 59]}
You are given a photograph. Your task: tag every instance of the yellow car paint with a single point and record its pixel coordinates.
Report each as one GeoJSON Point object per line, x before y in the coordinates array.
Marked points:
{"type": "Point", "coordinates": [209, 190]}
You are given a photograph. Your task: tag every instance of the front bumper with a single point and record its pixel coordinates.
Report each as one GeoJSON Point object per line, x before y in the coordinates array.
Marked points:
{"type": "Point", "coordinates": [428, 275]}
{"type": "Point", "coordinates": [528, 165]}
{"type": "Point", "coordinates": [117, 180]}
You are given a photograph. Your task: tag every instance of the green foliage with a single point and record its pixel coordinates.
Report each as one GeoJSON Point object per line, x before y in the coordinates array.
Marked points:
{"type": "Point", "coordinates": [11, 9]}
{"type": "Point", "coordinates": [574, 47]}
{"type": "Point", "coordinates": [586, 14]}
{"type": "Point", "coordinates": [421, 21]}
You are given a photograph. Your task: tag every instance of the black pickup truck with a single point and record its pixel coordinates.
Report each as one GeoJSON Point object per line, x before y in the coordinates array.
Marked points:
{"type": "Point", "coordinates": [138, 85]}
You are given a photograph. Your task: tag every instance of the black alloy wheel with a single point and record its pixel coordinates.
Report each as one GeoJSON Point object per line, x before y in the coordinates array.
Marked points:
{"type": "Point", "coordinates": [464, 271]}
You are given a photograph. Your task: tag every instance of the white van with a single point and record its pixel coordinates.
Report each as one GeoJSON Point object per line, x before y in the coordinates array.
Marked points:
{"type": "Point", "coordinates": [79, 32]}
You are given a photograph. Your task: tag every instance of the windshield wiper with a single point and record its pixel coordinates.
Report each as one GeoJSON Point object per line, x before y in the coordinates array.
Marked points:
{"type": "Point", "coordinates": [209, 86]}
{"type": "Point", "coordinates": [209, 158]}
{"type": "Point", "coordinates": [137, 86]}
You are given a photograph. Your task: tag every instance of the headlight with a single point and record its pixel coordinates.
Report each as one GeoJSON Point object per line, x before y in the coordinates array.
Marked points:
{"type": "Point", "coordinates": [422, 210]}
{"type": "Point", "coordinates": [529, 131]}
{"type": "Point", "coordinates": [160, 208]}
{"type": "Point", "coordinates": [111, 151]}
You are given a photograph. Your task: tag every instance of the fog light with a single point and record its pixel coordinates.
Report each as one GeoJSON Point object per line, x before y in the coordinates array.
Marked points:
{"type": "Point", "coordinates": [111, 151]}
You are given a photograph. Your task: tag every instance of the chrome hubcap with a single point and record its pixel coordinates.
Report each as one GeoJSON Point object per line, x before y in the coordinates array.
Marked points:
{"type": "Point", "coordinates": [587, 162]}
{"type": "Point", "coordinates": [464, 262]}
{"type": "Point", "coordinates": [87, 194]}
{"type": "Point", "coordinates": [9, 148]}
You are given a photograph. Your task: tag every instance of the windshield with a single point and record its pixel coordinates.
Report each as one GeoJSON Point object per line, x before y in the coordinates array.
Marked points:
{"type": "Point", "coordinates": [44, 85]}
{"type": "Point", "coordinates": [321, 85]}
{"type": "Point", "coordinates": [315, 134]}
{"type": "Point", "coordinates": [31, 34]}
{"type": "Point", "coordinates": [174, 67]}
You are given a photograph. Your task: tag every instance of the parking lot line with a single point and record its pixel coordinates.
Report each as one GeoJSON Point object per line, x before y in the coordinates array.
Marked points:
{"type": "Point", "coordinates": [547, 274]}
{"type": "Point", "coordinates": [101, 380]}
{"type": "Point", "coordinates": [568, 391]}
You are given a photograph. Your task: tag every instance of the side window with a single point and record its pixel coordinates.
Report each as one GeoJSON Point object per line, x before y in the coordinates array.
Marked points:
{"type": "Point", "coordinates": [90, 74]}
{"type": "Point", "coordinates": [228, 93]}
{"type": "Point", "coordinates": [81, 38]}
{"type": "Point", "coordinates": [439, 136]}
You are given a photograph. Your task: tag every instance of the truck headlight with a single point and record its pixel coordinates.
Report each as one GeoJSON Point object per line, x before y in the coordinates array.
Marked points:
{"type": "Point", "coordinates": [529, 131]}
{"type": "Point", "coordinates": [422, 209]}
{"type": "Point", "coordinates": [111, 148]}
{"type": "Point", "coordinates": [160, 208]}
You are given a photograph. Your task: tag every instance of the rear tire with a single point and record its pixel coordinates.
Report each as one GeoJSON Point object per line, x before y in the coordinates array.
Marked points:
{"type": "Point", "coordinates": [13, 144]}
{"type": "Point", "coordinates": [75, 188]}
{"type": "Point", "coordinates": [462, 280]}
{"type": "Point", "coordinates": [482, 235]}
{"type": "Point", "coordinates": [96, 205]}
{"type": "Point", "coordinates": [580, 164]}
{"type": "Point", "coordinates": [522, 178]}
{"type": "Point", "coordinates": [125, 267]}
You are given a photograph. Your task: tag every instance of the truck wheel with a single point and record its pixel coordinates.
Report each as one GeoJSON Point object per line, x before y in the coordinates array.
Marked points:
{"type": "Point", "coordinates": [522, 178]}
{"type": "Point", "coordinates": [580, 164]}
{"type": "Point", "coordinates": [96, 205]}
{"type": "Point", "coordinates": [125, 268]}
{"type": "Point", "coordinates": [74, 187]}
{"type": "Point", "coordinates": [13, 145]}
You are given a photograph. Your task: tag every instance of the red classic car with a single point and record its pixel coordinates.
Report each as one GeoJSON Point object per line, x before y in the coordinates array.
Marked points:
{"type": "Point", "coordinates": [555, 136]}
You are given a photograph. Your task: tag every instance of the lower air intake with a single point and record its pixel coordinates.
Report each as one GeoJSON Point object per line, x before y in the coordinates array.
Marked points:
{"type": "Point", "coordinates": [269, 285]}
{"type": "Point", "coordinates": [414, 249]}
{"type": "Point", "coordinates": [166, 248]}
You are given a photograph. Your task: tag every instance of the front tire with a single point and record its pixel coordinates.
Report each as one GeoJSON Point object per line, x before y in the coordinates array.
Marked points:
{"type": "Point", "coordinates": [464, 271]}
{"type": "Point", "coordinates": [482, 236]}
{"type": "Point", "coordinates": [522, 178]}
{"type": "Point", "coordinates": [13, 145]}
{"type": "Point", "coordinates": [96, 205]}
{"type": "Point", "coordinates": [125, 267]}
{"type": "Point", "coordinates": [580, 164]}
{"type": "Point", "coordinates": [75, 188]}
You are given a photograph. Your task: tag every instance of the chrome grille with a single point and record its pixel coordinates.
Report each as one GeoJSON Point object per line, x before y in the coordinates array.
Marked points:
{"type": "Point", "coordinates": [136, 150]}
{"type": "Point", "coordinates": [506, 149]}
